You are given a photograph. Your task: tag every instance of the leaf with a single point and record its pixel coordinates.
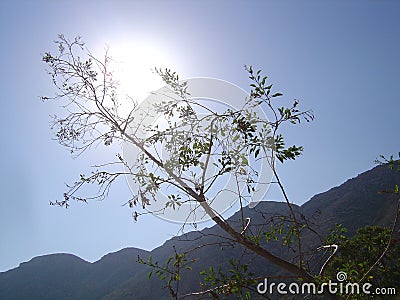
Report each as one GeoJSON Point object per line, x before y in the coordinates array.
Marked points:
{"type": "Point", "coordinates": [247, 295]}
{"type": "Point", "coordinates": [263, 80]}
{"type": "Point", "coordinates": [276, 95]}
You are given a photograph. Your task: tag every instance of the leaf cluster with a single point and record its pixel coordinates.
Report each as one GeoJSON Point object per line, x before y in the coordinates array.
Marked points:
{"type": "Point", "coordinates": [357, 254]}
{"type": "Point", "coordinates": [237, 281]}
{"type": "Point", "coordinates": [170, 272]}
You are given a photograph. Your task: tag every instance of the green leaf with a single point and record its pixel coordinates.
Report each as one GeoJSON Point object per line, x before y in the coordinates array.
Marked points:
{"type": "Point", "coordinates": [247, 295]}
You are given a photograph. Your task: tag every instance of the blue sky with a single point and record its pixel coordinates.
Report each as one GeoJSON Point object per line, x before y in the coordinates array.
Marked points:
{"type": "Point", "coordinates": [340, 58]}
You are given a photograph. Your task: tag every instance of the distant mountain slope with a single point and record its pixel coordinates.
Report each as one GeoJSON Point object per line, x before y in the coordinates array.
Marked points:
{"type": "Point", "coordinates": [44, 277]}
{"type": "Point", "coordinates": [65, 276]}
{"type": "Point", "coordinates": [355, 203]}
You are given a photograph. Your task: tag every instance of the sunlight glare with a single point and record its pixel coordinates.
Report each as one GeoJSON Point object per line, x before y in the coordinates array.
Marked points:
{"type": "Point", "coordinates": [135, 71]}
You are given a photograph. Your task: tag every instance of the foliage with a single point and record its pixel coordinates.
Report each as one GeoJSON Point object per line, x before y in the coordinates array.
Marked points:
{"type": "Point", "coordinates": [336, 235]}
{"type": "Point", "coordinates": [191, 141]}
{"type": "Point", "coordinates": [170, 273]}
{"type": "Point", "coordinates": [357, 254]}
{"type": "Point", "coordinates": [393, 164]}
{"type": "Point", "coordinates": [238, 281]}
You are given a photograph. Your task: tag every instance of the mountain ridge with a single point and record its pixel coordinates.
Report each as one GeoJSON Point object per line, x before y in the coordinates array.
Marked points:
{"type": "Point", "coordinates": [355, 203]}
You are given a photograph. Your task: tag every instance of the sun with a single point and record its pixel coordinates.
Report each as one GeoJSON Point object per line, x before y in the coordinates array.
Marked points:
{"type": "Point", "coordinates": [134, 69]}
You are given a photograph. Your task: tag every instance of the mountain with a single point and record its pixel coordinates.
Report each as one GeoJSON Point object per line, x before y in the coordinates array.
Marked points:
{"type": "Point", "coordinates": [66, 276]}
{"type": "Point", "coordinates": [45, 277]}
{"type": "Point", "coordinates": [356, 203]}
{"type": "Point", "coordinates": [359, 201]}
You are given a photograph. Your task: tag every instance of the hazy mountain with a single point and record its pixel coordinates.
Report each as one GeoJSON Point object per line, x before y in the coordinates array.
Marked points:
{"type": "Point", "coordinates": [355, 203]}
{"type": "Point", "coordinates": [65, 276]}
{"type": "Point", "coordinates": [358, 202]}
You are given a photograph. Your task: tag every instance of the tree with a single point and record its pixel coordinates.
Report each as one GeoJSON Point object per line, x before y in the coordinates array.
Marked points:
{"type": "Point", "coordinates": [198, 150]}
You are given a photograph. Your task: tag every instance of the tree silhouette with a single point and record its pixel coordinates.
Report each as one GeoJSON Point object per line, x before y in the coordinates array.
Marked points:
{"type": "Point", "coordinates": [185, 157]}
